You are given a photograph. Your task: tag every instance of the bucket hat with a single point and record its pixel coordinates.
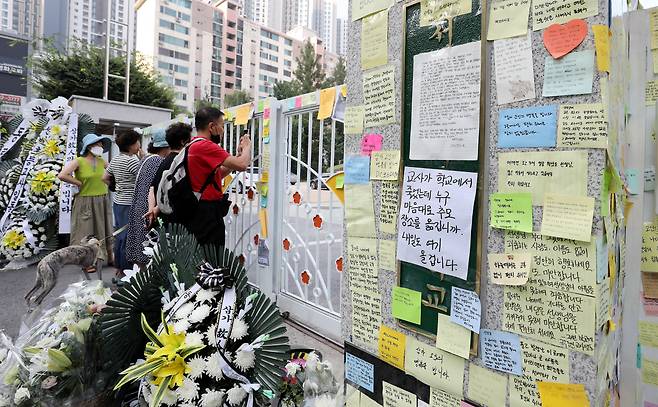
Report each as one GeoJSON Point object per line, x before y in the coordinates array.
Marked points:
{"type": "Point", "coordinates": [92, 138]}
{"type": "Point", "coordinates": [158, 139]}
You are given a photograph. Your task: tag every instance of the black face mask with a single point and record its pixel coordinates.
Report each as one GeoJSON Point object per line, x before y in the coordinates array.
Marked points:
{"type": "Point", "coordinates": [215, 138]}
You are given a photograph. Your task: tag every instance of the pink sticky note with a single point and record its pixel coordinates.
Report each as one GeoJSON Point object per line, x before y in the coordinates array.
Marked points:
{"type": "Point", "coordinates": [650, 404]}
{"type": "Point", "coordinates": [266, 113]}
{"type": "Point", "coordinates": [466, 404]}
{"type": "Point", "coordinates": [298, 101]}
{"type": "Point", "coordinates": [370, 143]}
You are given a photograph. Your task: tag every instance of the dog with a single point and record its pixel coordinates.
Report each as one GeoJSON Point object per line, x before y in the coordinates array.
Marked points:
{"type": "Point", "coordinates": [85, 255]}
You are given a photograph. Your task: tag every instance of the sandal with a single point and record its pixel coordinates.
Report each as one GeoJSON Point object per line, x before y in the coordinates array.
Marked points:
{"type": "Point", "coordinates": [89, 270]}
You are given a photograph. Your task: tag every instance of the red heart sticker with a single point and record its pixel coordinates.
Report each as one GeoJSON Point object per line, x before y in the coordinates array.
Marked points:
{"type": "Point", "coordinates": [561, 39]}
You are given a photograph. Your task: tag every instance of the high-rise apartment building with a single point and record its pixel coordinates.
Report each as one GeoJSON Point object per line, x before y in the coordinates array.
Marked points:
{"type": "Point", "coordinates": [21, 18]}
{"type": "Point", "coordinates": [341, 36]}
{"type": "Point", "coordinates": [269, 13]}
{"type": "Point", "coordinates": [327, 24]}
{"type": "Point", "coordinates": [301, 35]}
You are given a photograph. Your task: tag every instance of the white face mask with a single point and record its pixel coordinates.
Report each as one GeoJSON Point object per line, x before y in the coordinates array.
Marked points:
{"type": "Point", "coordinates": [97, 151]}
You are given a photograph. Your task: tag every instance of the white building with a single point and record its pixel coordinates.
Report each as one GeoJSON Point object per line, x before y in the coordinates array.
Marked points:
{"type": "Point", "coordinates": [21, 18]}
{"type": "Point", "coordinates": [269, 13]}
{"type": "Point", "coordinates": [341, 36]}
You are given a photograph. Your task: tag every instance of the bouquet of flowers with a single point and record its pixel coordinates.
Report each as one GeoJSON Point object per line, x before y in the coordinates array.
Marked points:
{"type": "Point", "coordinates": [42, 195]}
{"type": "Point", "coordinates": [56, 360]}
{"type": "Point", "coordinates": [23, 238]}
{"type": "Point", "coordinates": [10, 171]}
{"type": "Point", "coordinates": [309, 382]}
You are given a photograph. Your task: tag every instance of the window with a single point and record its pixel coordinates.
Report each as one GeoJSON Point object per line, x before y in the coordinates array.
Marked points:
{"type": "Point", "coordinates": [230, 48]}
{"type": "Point", "coordinates": [230, 36]}
{"type": "Point", "coordinates": [286, 73]}
{"type": "Point", "coordinates": [238, 72]}
{"type": "Point", "coordinates": [274, 58]}
{"type": "Point", "coordinates": [268, 34]}
{"type": "Point", "coordinates": [262, 88]}
{"type": "Point", "coordinates": [182, 3]}
{"type": "Point", "coordinates": [264, 55]}
{"type": "Point", "coordinates": [173, 54]}
{"type": "Point", "coordinates": [175, 27]}
{"type": "Point", "coordinates": [230, 60]}
{"type": "Point", "coordinates": [238, 83]}
{"type": "Point", "coordinates": [288, 53]}
{"type": "Point", "coordinates": [238, 60]}
{"type": "Point", "coordinates": [231, 24]}
{"type": "Point", "coordinates": [173, 67]}
{"type": "Point", "coordinates": [228, 85]}
{"type": "Point", "coordinates": [269, 68]}
{"type": "Point", "coordinates": [173, 40]}
{"type": "Point", "coordinates": [229, 73]}
{"type": "Point", "coordinates": [180, 82]}
{"type": "Point", "coordinates": [269, 46]}
{"type": "Point", "coordinates": [181, 95]}
{"type": "Point", "coordinates": [288, 42]}
{"type": "Point", "coordinates": [287, 63]}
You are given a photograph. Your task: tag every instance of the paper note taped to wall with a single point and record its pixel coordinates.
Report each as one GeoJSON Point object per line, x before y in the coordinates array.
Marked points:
{"type": "Point", "coordinates": [362, 8]}
{"type": "Point", "coordinates": [509, 269]}
{"type": "Point", "coordinates": [359, 210]}
{"type": "Point", "coordinates": [394, 396]}
{"type": "Point", "coordinates": [511, 210]}
{"type": "Point", "coordinates": [387, 249]}
{"type": "Point", "coordinates": [366, 318]}
{"type": "Point", "coordinates": [583, 126]}
{"type": "Point", "coordinates": [426, 236]}
{"type": "Point", "coordinates": [357, 169]}
{"type": "Point", "coordinates": [649, 256]}
{"type": "Point", "coordinates": [405, 304]}
{"type": "Point", "coordinates": [452, 337]}
{"type": "Point", "coordinates": [572, 74]}
{"type": "Point", "coordinates": [434, 367]}
{"type": "Point", "coordinates": [388, 207]}
{"type": "Point", "coordinates": [392, 345]}
{"type": "Point", "coordinates": [362, 257]}
{"type": "Point", "coordinates": [547, 12]}
{"type": "Point", "coordinates": [508, 18]}
{"type": "Point", "coordinates": [354, 119]}
{"type": "Point", "coordinates": [432, 11]}
{"type": "Point", "coordinates": [562, 395]}
{"type": "Point", "coordinates": [359, 372]}
{"type": "Point", "coordinates": [534, 126]}
{"type": "Point", "coordinates": [379, 96]}
{"type": "Point", "coordinates": [568, 217]}
{"type": "Point", "coordinates": [439, 398]}
{"type": "Point", "coordinates": [515, 77]}
{"type": "Point", "coordinates": [385, 165]}
{"type": "Point", "coordinates": [501, 351]}
{"type": "Point", "coordinates": [465, 308]}
{"type": "Point", "coordinates": [485, 386]}
{"type": "Point", "coordinates": [374, 40]}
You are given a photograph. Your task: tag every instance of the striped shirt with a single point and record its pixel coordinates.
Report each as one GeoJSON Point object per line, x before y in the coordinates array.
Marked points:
{"type": "Point", "coordinates": [124, 169]}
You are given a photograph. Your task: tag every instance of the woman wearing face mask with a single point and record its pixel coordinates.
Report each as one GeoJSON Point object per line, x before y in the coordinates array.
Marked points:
{"type": "Point", "coordinates": [91, 211]}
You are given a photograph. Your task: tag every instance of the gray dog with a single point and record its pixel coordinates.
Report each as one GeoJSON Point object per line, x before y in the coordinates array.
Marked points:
{"type": "Point", "coordinates": [84, 255]}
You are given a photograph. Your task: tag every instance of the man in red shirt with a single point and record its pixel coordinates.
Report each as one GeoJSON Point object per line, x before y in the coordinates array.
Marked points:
{"type": "Point", "coordinates": [207, 159]}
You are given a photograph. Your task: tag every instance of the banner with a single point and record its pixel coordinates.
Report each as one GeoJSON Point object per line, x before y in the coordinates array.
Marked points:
{"type": "Point", "coordinates": [66, 189]}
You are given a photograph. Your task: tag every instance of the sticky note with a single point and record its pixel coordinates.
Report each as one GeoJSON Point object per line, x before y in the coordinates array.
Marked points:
{"type": "Point", "coordinates": [362, 8]}
{"type": "Point", "coordinates": [370, 143]}
{"type": "Point", "coordinates": [573, 74]}
{"type": "Point", "coordinates": [651, 93]}
{"type": "Point", "coordinates": [379, 95]}
{"type": "Point", "coordinates": [431, 11]}
{"type": "Point", "coordinates": [509, 269]}
{"type": "Point", "coordinates": [366, 317]}
{"type": "Point", "coordinates": [394, 396]}
{"type": "Point", "coordinates": [485, 386]}
{"type": "Point", "coordinates": [298, 102]}
{"type": "Point", "coordinates": [560, 39]}
{"type": "Point", "coordinates": [362, 257]}
{"type": "Point", "coordinates": [511, 210]}
{"type": "Point", "coordinates": [368, 402]}
{"type": "Point", "coordinates": [465, 308]}
{"type": "Point", "coordinates": [243, 114]}
{"type": "Point", "coordinates": [648, 333]}
{"type": "Point", "coordinates": [262, 219]}
{"type": "Point", "coordinates": [434, 367]}
{"type": "Point", "coordinates": [534, 126]}
{"type": "Point", "coordinates": [653, 25]}
{"type": "Point", "coordinates": [562, 395]}
{"type": "Point", "coordinates": [582, 126]}
{"type": "Point", "coordinates": [602, 44]}
{"type": "Point", "coordinates": [374, 40]}
{"type": "Point", "coordinates": [632, 181]}
{"type": "Point", "coordinates": [354, 119]}
{"type": "Point", "coordinates": [405, 304]}
{"type": "Point", "coordinates": [501, 351]}
{"type": "Point", "coordinates": [515, 74]}
{"type": "Point", "coordinates": [388, 207]}
{"type": "Point", "coordinates": [357, 169]}
{"type": "Point", "coordinates": [601, 259]}
{"type": "Point", "coordinates": [392, 345]}
{"type": "Point", "coordinates": [439, 398]}
{"type": "Point", "coordinates": [452, 337]}
{"type": "Point", "coordinates": [654, 58]}
{"type": "Point", "coordinates": [568, 217]}
{"type": "Point", "coordinates": [547, 12]}
{"type": "Point", "coordinates": [340, 181]}
{"type": "Point", "coordinates": [359, 210]}
{"type": "Point", "coordinates": [353, 398]}
{"type": "Point", "coordinates": [359, 372]}
{"type": "Point", "coordinates": [385, 165]}
{"type": "Point", "coordinates": [650, 178]}
{"type": "Point", "coordinates": [387, 255]}
{"type": "Point", "coordinates": [508, 18]}
{"type": "Point", "coordinates": [649, 256]}
{"type": "Point", "coordinates": [327, 98]}
{"type": "Point", "coordinates": [650, 285]}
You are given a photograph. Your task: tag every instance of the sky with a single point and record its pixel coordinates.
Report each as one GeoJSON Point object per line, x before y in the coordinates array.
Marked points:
{"type": "Point", "coordinates": [342, 6]}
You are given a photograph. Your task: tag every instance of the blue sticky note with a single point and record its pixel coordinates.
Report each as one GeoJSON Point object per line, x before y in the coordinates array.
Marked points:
{"type": "Point", "coordinates": [465, 308]}
{"type": "Point", "coordinates": [572, 74]}
{"type": "Point", "coordinates": [601, 259]}
{"type": "Point", "coordinates": [534, 126]}
{"type": "Point", "coordinates": [638, 362]}
{"type": "Point", "coordinates": [360, 372]}
{"type": "Point", "coordinates": [501, 351]}
{"type": "Point", "coordinates": [357, 169]}
{"type": "Point", "coordinates": [632, 181]}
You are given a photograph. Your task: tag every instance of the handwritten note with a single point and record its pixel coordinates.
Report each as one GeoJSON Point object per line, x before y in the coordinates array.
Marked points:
{"type": "Point", "coordinates": [534, 126]}
{"type": "Point", "coordinates": [568, 217]}
{"type": "Point", "coordinates": [432, 11]}
{"type": "Point", "coordinates": [515, 78]}
{"type": "Point", "coordinates": [363, 269]}
{"type": "Point", "coordinates": [439, 398]}
{"type": "Point", "coordinates": [465, 308]}
{"type": "Point", "coordinates": [511, 210]}
{"type": "Point", "coordinates": [650, 372]}
{"type": "Point", "coordinates": [405, 304]}
{"type": "Point", "coordinates": [445, 107]}
{"type": "Point", "coordinates": [561, 39]}
{"type": "Point", "coordinates": [651, 93]}
{"type": "Point", "coordinates": [539, 172]}
{"type": "Point", "coordinates": [501, 351]}
{"type": "Point", "coordinates": [649, 256]}
{"type": "Point", "coordinates": [547, 12]}
{"type": "Point", "coordinates": [602, 44]}
{"type": "Point", "coordinates": [385, 165]}
{"type": "Point", "coordinates": [653, 25]}
{"type": "Point", "coordinates": [562, 395]}
{"type": "Point", "coordinates": [327, 98]}
{"type": "Point", "coordinates": [359, 210]}
{"type": "Point", "coordinates": [557, 317]}
{"type": "Point", "coordinates": [572, 74]}
{"type": "Point", "coordinates": [366, 317]}
{"type": "Point", "coordinates": [392, 345]}
{"type": "Point", "coordinates": [357, 169]}
{"type": "Point", "coordinates": [583, 126]}
{"type": "Point", "coordinates": [379, 96]}
{"type": "Point", "coordinates": [387, 249]}
{"type": "Point", "coordinates": [509, 269]}
{"type": "Point", "coordinates": [603, 303]}
{"type": "Point", "coordinates": [370, 143]}
{"type": "Point", "coordinates": [434, 367]}
{"type": "Point", "coordinates": [359, 372]}
{"type": "Point", "coordinates": [354, 119]}
{"type": "Point", "coordinates": [508, 18]}
{"type": "Point", "coordinates": [434, 225]}
{"type": "Point", "coordinates": [486, 387]}
{"type": "Point", "coordinates": [452, 337]}
{"type": "Point", "coordinates": [648, 333]}
{"type": "Point", "coordinates": [362, 8]}
{"type": "Point", "coordinates": [558, 264]}
{"type": "Point", "coordinates": [540, 362]}
{"type": "Point", "coordinates": [374, 40]}
{"type": "Point", "coordinates": [388, 207]}
{"type": "Point", "coordinates": [396, 397]}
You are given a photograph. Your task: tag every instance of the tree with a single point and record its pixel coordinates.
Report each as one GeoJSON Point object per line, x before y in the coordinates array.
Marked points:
{"type": "Point", "coordinates": [80, 72]}
{"type": "Point", "coordinates": [239, 97]}
{"type": "Point", "coordinates": [206, 102]}
{"type": "Point", "coordinates": [286, 89]}
{"type": "Point", "coordinates": [339, 73]}
{"type": "Point", "coordinates": [309, 71]}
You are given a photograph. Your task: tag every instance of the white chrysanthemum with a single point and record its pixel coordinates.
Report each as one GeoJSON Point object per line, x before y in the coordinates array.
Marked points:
{"type": "Point", "coordinates": [204, 295]}
{"type": "Point", "coordinates": [312, 361]}
{"type": "Point", "coordinates": [169, 397]}
{"type": "Point", "coordinates": [197, 366]}
{"type": "Point", "coordinates": [244, 359]}
{"type": "Point", "coordinates": [21, 395]}
{"type": "Point", "coordinates": [325, 401]}
{"type": "Point", "coordinates": [5, 401]}
{"type": "Point", "coordinates": [181, 325]}
{"type": "Point", "coordinates": [184, 311]}
{"type": "Point", "coordinates": [189, 390]}
{"type": "Point", "coordinates": [199, 314]}
{"type": "Point", "coordinates": [240, 329]}
{"type": "Point", "coordinates": [212, 398]}
{"type": "Point", "coordinates": [214, 366]}
{"type": "Point", "coordinates": [236, 395]}
{"type": "Point", "coordinates": [194, 339]}
{"type": "Point", "coordinates": [292, 368]}
{"type": "Point", "coordinates": [210, 334]}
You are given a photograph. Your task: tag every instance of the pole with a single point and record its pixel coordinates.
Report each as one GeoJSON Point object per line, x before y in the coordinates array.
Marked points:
{"type": "Point", "coordinates": [106, 76]}
{"type": "Point", "coordinates": [129, 48]}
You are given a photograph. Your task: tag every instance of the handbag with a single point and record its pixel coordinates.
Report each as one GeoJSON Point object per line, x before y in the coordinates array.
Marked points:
{"type": "Point", "coordinates": [112, 186]}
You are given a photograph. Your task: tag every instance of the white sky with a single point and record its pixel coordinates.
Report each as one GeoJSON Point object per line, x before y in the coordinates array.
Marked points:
{"type": "Point", "coordinates": [342, 6]}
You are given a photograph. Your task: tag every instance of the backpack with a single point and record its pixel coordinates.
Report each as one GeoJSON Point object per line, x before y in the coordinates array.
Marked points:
{"type": "Point", "coordinates": [175, 195]}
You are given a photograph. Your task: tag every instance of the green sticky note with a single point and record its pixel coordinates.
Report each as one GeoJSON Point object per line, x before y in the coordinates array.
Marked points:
{"type": "Point", "coordinates": [406, 304]}
{"type": "Point", "coordinates": [512, 211]}
{"type": "Point", "coordinates": [261, 106]}
{"type": "Point", "coordinates": [605, 192]}
{"type": "Point", "coordinates": [340, 181]}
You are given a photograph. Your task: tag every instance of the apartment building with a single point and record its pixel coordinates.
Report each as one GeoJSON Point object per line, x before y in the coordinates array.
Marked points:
{"type": "Point", "coordinates": [300, 35]}
{"type": "Point", "coordinates": [341, 36]}
{"type": "Point", "coordinates": [21, 18]}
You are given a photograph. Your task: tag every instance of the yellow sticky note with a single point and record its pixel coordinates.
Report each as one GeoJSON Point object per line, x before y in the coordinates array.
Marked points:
{"type": "Point", "coordinates": [354, 119]}
{"type": "Point", "coordinates": [359, 210]}
{"type": "Point", "coordinates": [650, 372]}
{"type": "Point", "coordinates": [562, 395]}
{"type": "Point", "coordinates": [654, 57]}
{"type": "Point", "coordinates": [363, 263]}
{"type": "Point", "coordinates": [396, 397]}
{"type": "Point", "coordinates": [509, 269]}
{"type": "Point", "coordinates": [582, 126]}
{"type": "Point", "coordinates": [649, 256]}
{"type": "Point", "coordinates": [434, 367]}
{"type": "Point", "coordinates": [379, 96]}
{"type": "Point", "coordinates": [547, 12]}
{"type": "Point", "coordinates": [385, 165]}
{"type": "Point", "coordinates": [602, 43]}
{"type": "Point", "coordinates": [243, 114]}
{"type": "Point", "coordinates": [387, 250]}
{"type": "Point", "coordinates": [568, 217]}
{"type": "Point", "coordinates": [391, 346]}
{"type": "Point", "coordinates": [362, 8]}
{"type": "Point", "coordinates": [374, 40]}
{"type": "Point", "coordinates": [262, 217]}
{"type": "Point", "coordinates": [653, 23]}
{"type": "Point", "coordinates": [651, 93]}
{"type": "Point", "coordinates": [388, 207]}
{"type": "Point", "coordinates": [432, 11]}
{"type": "Point", "coordinates": [439, 398]}
{"type": "Point", "coordinates": [485, 386]}
{"type": "Point", "coordinates": [343, 90]}
{"type": "Point", "coordinates": [452, 337]}
{"type": "Point", "coordinates": [648, 334]}
{"type": "Point", "coordinates": [508, 18]}
{"type": "Point", "coordinates": [327, 98]}
{"type": "Point", "coordinates": [366, 317]}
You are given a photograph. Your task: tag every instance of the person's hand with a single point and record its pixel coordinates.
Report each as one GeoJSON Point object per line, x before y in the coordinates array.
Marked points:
{"type": "Point", "coordinates": [245, 144]}
{"type": "Point", "coordinates": [151, 216]}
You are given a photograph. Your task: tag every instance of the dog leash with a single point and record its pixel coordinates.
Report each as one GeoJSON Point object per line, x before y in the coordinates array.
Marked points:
{"type": "Point", "coordinates": [116, 232]}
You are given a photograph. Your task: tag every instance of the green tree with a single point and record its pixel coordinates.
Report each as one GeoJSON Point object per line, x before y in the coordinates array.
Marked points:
{"type": "Point", "coordinates": [309, 71]}
{"type": "Point", "coordinates": [205, 102]}
{"type": "Point", "coordinates": [239, 97]}
{"type": "Point", "coordinates": [80, 72]}
{"type": "Point", "coordinates": [286, 89]}
{"type": "Point", "coordinates": [339, 73]}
